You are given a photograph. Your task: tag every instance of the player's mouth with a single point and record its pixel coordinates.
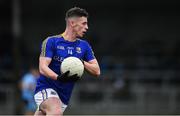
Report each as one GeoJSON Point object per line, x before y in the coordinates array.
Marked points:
{"type": "Point", "coordinates": [83, 32]}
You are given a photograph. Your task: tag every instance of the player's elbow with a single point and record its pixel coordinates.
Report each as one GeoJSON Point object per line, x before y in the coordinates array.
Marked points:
{"type": "Point", "coordinates": [41, 70]}
{"type": "Point", "coordinates": [97, 73]}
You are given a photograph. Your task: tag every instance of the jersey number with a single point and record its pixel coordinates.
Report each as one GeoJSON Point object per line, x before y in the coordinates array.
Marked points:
{"type": "Point", "coordinates": [70, 51]}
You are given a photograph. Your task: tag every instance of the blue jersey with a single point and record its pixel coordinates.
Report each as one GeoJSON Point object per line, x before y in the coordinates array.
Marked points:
{"type": "Point", "coordinates": [57, 48]}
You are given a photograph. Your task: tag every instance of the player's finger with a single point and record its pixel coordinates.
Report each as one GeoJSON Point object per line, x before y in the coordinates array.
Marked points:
{"type": "Point", "coordinates": [75, 75]}
{"type": "Point", "coordinates": [67, 72]}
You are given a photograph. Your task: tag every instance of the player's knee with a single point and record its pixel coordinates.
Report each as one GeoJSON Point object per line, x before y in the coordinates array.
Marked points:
{"type": "Point", "coordinates": [59, 112]}
{"type": "Point", "coordinates": [55, 111]}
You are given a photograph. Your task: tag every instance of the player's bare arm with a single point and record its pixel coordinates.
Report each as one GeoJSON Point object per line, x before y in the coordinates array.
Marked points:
{"type": "Point", "coordinates": [92, 66]}
{"type": "Point", "coordinates": [44, 69]}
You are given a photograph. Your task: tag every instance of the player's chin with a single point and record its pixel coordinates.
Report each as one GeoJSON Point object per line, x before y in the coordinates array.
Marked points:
{"type": "Point", "coordinates": [81, 35]}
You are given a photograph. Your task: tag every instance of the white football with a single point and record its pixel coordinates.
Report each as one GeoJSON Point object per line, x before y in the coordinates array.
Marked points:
{"type": "Point", "coordinates": [74, 65]}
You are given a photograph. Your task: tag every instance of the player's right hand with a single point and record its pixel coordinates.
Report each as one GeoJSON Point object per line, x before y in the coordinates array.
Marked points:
{"type": "Point", "coordinates": [65, 78]}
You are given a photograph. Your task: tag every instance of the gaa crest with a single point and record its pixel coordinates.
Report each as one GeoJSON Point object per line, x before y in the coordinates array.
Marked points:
{"type": "Point", "coordinates": [78, 49]}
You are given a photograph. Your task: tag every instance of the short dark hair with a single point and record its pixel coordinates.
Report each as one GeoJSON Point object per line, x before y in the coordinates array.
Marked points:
{"type": "Point", "coordinates": [76, 12]}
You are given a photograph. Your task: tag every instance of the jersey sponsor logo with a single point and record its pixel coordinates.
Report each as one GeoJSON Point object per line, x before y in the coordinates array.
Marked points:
{"type": "Point", "coordinates": [78, 50]}
{"type": "Point", "coordinates": [57, 58]}
{"type": "Point", "coordinates": [61, 47]}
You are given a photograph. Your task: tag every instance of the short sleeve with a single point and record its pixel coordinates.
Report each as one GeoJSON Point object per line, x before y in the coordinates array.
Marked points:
{"type": "Point", "coordinates": [47, 48]}
{"type": "Point", "coordinates": [89, 53]}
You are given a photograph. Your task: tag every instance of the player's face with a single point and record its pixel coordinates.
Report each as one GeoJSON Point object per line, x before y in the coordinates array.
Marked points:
{"type": "Point", "coordinates": [80, 26]}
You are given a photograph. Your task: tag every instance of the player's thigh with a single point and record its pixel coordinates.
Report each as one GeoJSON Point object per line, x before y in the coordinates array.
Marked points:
{"type": "Point", "coordinates": [52, 104]}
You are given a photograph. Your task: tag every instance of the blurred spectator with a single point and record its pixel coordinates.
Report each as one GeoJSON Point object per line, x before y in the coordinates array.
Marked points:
{"type": "Point", "coordinates": [28, 84]}
{"type": "Point", "coordinates": [120, 84]}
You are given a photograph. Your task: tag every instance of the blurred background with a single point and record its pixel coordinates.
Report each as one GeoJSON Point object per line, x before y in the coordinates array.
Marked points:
{"type": "Point", "coordinates": [135, 41]}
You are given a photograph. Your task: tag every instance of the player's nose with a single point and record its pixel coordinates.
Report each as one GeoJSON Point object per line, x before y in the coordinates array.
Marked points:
{"type": "Point", "coordinates": [86, 27]}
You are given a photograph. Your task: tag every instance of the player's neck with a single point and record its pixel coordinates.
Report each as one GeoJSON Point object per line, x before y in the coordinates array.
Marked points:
{"type": "Point", "coordinates": [69, 36]}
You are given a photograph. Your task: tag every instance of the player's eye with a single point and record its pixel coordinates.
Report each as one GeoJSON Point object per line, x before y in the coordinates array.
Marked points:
{"type": "Point", "coordinates": [84, 23]}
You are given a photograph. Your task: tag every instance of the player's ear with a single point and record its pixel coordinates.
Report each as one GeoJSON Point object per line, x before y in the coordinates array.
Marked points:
{"type": "Point", "coordinates": [72, 22]}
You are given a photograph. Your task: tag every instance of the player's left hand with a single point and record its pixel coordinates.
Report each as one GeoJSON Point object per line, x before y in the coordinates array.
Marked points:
{"type": "Point", "coordinates": [65, 78]}
{"type": "Point", "coordinates": [73, 78]}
